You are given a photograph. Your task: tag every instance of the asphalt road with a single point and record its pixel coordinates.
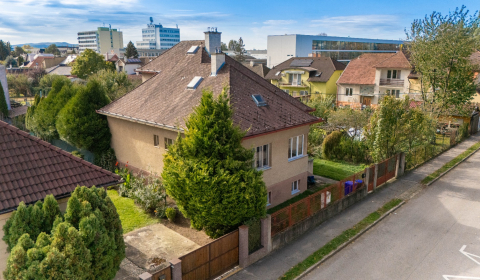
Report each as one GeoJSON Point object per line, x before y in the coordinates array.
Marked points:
{"type": "Point", "coordinates": [436, 235]}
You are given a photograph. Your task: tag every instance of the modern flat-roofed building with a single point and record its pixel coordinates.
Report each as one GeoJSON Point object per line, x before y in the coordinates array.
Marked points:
{"type": "Point", "coordinates": [343, 49]}
{"type": "Point", "coordinates": [102, 40]}
{"type": "Point", "coordinates": [155, 36]}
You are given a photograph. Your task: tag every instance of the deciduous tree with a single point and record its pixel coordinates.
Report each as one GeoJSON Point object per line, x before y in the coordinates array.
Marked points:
{"type": "Point", "coordinates": [210, 174]}
{"type": "Point", "coordinates": [52, 49]}
{"type": "Point", "coordinates": [240, 52]}
{"type": "Point", "coordinates": [88, 63]}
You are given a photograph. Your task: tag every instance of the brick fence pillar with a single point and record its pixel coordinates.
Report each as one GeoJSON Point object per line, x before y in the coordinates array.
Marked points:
{"type": "Point", "coordinates": [243, 246]}
{"type": "Point", "coordinates": [176, 269]}
{"type": "Point", "coordinates": [375, 177]}
{"type": "Point", "coordinates": [145, 276]}
{"type": "Point", "coordinates": [266, 232]}
{"type": "Point", "coordinates": [400, 170]}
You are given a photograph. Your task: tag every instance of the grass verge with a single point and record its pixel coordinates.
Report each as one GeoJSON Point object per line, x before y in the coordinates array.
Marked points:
{"type": "Point", "coordinates": [450, 164]}
{"type": "Point", "coordinates": [335, 170]}
{"type": "Point", "coordinates": [131, 216]}
{"type": "Point", "coordinates": [339, 240]}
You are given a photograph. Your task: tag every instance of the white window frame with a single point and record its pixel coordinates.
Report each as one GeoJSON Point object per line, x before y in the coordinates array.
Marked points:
{"type": "Point", "coordinates": [296, 79]}
{"type": "Point", "coordinates": [156, 141]}
{"type": "Point", "coordinates": [293, 142]}
{"type": "Point", "coordinates": [295, 186]}
{"type": "Point", "coordinates": [259, 152]}
{"type": "Point", "coordinates": [348, 91]}
{"type": "Point", "coordinates": [168, 142]}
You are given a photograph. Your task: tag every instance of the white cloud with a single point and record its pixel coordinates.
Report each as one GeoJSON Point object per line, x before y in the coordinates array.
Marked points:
{"type": "Point", "coordinates": [275, 22]}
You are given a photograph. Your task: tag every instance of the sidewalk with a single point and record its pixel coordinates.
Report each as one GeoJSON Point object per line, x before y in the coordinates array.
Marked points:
{"type": "Point", "coordinates": [278, 262]}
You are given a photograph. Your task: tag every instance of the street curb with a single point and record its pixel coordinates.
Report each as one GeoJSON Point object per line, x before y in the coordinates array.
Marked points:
{"type": "Point", "coordinates": [448, 170]}
{"type": "Point", "coordinates": [331, 254]}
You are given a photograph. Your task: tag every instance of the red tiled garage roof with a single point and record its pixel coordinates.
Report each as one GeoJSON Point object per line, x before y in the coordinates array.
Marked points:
{"type": "Point", "coordinates": [31, 168]}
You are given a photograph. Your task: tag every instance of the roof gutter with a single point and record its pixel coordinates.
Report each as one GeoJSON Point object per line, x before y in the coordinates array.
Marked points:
{"type": "Point", "coordinates": [319, 120]}
{"type": "Point", "coordinates": [132, 119]}
{"type": "Point", "coordinates": [147, 71]}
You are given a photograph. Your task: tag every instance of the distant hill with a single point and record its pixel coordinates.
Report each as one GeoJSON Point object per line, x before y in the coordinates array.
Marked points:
{"type": "Point", "coordinates": [43, 45]}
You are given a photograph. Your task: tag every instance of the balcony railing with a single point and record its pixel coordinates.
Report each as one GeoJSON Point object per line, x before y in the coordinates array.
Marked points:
{"type": "Point", "coordinates": [301, 85]}
{"type": "Point", "coordinates": [391, 82]}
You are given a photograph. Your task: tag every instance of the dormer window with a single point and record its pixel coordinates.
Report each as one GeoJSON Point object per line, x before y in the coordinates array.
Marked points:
{"type": "Point", "coordinates": [195, 82]}
{"type": "Point", "coordinates": [259, 100]}
{"type": "Point", "coordinates": [192, 50]}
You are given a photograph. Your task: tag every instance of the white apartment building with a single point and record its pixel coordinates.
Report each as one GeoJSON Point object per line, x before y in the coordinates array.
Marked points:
{"type": "Point", "coordinates": [155, 36]}
{"type": "Point", "coordinates": [102, 40]}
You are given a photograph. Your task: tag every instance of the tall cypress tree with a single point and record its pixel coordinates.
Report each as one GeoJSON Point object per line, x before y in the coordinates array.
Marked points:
{"type": "Point", "coordinates": [210, 174]}
{"type": "Point", "coordinates": [3, 102]}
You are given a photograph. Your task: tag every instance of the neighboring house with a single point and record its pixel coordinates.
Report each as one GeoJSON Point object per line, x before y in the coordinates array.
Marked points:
{"type": "Point", "coordinates": [129, 65]}
{"type": "Point", "coordinates": [111, 56]}
{"type": "Point", "coordinates": [260, 68]}
{"type": "Point", "coordinates": [31, 168]}
{"type": "Point", "coordinates": [475, 59]}
{"type": "Point", "coordinates": [45, 62]}
{"type": "Point", "coordinates": [371, 76]}
{"type": "Point", "coordinates": [145, 121]}
{"type": "Point", "coordinates": [302, 77]}
{"type": "Point", "coordinates": [61, 70]}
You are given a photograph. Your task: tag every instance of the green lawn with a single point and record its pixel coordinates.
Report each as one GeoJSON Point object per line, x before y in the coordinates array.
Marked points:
{"type": "Point", "coordinates": [335, 170]}
{"type": "Point", "coordinates": [131, 215]}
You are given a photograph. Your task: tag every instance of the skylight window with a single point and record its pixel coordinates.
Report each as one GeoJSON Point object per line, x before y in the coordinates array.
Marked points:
{"type": "Point", "coordinates": [195, 82]}
{"type": "Point", "coordinates": [278, 73]}
{"type": "Point", "coordinates": [192, 50]}
{"type": "Point", "coordinates": [259, 100]}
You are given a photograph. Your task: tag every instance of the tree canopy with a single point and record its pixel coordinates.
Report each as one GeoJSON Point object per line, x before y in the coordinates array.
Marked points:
{"type": "Point", "coordinates": [3, 102]}
{"type": "Point", "coordinates": [52, 49]}
{"type": "Point", "coordinates": [210, 174]}
{"type": "Point", "coordinates": [18, 51]}
{"type": "Point", "coordinates": [131, 51]}
{"type": "Point", "coordinates": [85, 243]}
{"type": "Point", "coordinates": [88, 63]}
{"type": "Point", "coordinates": [79, 124]}
{"type": "Point", "coordinates": [116, 84]}
{"type": "Point", "coordinates": [440, 47]}
{"type": "Point", "coordinates": [239, 50]}
{"type": "Point", "coordinates": [4, 50]}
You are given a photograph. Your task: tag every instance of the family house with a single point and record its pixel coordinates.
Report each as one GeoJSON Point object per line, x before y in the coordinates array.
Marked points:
{"type": "Point", "coordinates": [302, 77]}
{"type": "Point", "coordinates": [145, 121]}
{"type": "Point", "coordinates": [372, 75]}
{"type": "Point", "coordinates": [30, 169]}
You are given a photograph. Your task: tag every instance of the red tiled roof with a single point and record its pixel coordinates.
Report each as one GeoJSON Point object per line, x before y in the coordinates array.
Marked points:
{"type": "Point", "coordinates": [361, 71]}
{"type": "Point", "coordinates": [31, 168]}
{"type": "Point", "coordinates": [165, 101]}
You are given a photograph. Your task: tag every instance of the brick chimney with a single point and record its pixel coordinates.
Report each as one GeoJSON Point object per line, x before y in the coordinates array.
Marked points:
{"type": "Point", "coordinates": [213, 40]}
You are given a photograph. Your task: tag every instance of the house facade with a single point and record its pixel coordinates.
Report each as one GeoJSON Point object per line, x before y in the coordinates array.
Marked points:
{"type": "Point", "coordinates": [303, 77]}
{"type": "Point", "coordinates": [31, 169]}
{"type": "Point", "coordinates": [369, 77]}
{"type": "Point", "coordinates": [145, 121]}
{"type": "Point", "coordinates": [128, 65]}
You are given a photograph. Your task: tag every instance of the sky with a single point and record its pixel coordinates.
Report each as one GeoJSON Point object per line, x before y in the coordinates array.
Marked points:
{"type": "Point", "coordinates": [33, 21]}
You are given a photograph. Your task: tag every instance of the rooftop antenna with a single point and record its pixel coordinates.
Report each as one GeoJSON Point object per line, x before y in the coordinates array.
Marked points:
{"type": "Point", "coordinates": [151, 20]}
{"type": "Point", "coordinates": [208, 29]}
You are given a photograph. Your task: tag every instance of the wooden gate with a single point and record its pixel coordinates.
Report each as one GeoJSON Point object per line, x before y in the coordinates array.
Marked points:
{"type": "Point", "coordinates": [391, 168]}
{"type": "Point", "coordinates": [211, 260]}
{"type": "Point", "coordinates": [164, 274]}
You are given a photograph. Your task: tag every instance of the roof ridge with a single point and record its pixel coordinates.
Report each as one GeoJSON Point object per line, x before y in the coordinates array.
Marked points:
{"type": "Point", "coordinates": [50, 146]}
{"type": "Point", "coordinates": [375, 65]}
{"type": "Point", "coordinates": [166, 52]}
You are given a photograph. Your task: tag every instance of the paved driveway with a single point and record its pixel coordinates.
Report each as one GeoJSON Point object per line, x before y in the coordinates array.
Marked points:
{"type": "Point", "coordinates": [436, 235]}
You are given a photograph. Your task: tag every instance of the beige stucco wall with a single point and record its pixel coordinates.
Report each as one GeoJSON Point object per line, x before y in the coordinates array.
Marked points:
{"type": "Point", "coordinates": [133, 143]}
{"type": "Point", "coordinates": [3, 246]}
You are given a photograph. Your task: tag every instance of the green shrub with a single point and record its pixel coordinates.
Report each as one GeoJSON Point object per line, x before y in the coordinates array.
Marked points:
{"type": "Point", "coordinates": [106, 160]}
{"type": "Point", "coordinates": [148, 192]}
{"type": "Point", "coordinates": [331, 145]}
{"type": "Point", "coordinates": [462, 132]}
{"type": "Point", "coordinates": [171, 213]}
{"type": "Point", "coordinates": [78, 154]}
{"type": "Point", "coordinates": [160, 211]}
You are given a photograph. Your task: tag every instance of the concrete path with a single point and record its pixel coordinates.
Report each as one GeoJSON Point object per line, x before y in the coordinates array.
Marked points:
{"type": "Point", "coordinates": [436, 235]}
{"type": "Point", "coordinates": [280, 261]}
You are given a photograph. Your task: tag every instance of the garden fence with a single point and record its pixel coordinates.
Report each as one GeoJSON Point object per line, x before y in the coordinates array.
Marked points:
{"type": "Point", "coordinates": [164, 274]}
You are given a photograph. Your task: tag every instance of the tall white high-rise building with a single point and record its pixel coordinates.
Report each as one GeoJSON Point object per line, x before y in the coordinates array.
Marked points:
{"type": "Point", "coordinates": [155, 36]}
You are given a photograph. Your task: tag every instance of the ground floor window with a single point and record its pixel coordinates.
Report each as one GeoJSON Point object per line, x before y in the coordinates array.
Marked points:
{"type": "Point", "coordinates": [269, 198]}
{"type": "Point", "coordinates": [156, 140]}
{"type": "Point", "coordinates": [295, 186]}
{"type": "Point", "coordinates": [393, 92]}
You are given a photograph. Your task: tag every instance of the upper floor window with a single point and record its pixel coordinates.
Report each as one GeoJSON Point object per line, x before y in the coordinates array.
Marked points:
{"type": "Point", "coordinates": [168, 142]}
{"type": "Point", "coordinates": [295, 146]}
{"type": "Point", "coordinates": [393, 74]}
{"type": "Point", "coordinates": [262, 156]}
{"type": "Point", "coordinates": [295, 79]}
{"type": "Point", "coordinates": [348, 91]}
{"type": "Point", "coordinates": [156, 141]}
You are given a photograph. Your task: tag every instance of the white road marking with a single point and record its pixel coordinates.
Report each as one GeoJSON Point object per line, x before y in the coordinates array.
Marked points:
{"type": "Point", "coordinates": [470, 255]}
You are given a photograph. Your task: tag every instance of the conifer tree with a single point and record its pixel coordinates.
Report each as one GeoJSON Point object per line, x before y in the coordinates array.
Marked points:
{"type": "Point", "coordinates": [3, 103]}
{"type": "Point", "coordinates": [210, 174]}
{"type": "Point", "coordinates": [131, 51]}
